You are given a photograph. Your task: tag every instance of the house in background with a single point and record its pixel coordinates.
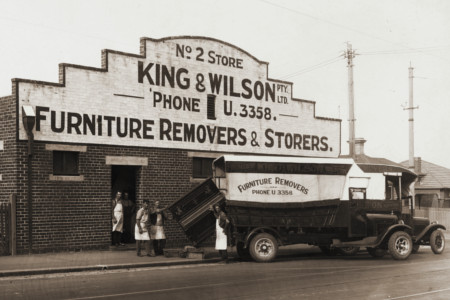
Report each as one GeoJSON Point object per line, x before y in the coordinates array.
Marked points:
{"type": "Point", "coordinates": [376, 165]}
{"type": "Point", "coordinates": [432, 187]}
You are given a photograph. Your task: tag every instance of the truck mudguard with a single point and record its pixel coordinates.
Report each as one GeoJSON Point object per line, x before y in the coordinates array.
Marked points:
{"type": "Point", "coordinates": [397, 227]}
{"type": "Point", "coordinates": [428, 229]}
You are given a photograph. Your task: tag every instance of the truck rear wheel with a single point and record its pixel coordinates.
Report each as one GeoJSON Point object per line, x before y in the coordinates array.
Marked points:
{"type": "Point", "coordinates": [327, 250]}
{"type": "Point", "coordinates": [242, 252]}
{"type": "Point", "coordinates": [376, 252]}
{"type": "Point", "coordinates": [437, 241]}
{"type": "Point", "coordinates": [348, 251]}
{"type": "Point", "coordinates": [400, 245]}
{"type": "Point", "coordinates": [263, 247]}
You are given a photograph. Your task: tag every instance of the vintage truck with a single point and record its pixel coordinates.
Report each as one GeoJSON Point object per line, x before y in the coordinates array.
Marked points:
{"type": "Point", "coordinates": [328, 202]}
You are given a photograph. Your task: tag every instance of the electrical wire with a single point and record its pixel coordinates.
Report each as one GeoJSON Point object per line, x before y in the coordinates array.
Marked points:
{"type": "Point", "coordinates": [400, 51]}
{"type": "Point", "coordinates": [381, 52]}
{"type": "Point", "coordinates": [349, 28]}
{"type": "Point", "coordinates": [313, 67]}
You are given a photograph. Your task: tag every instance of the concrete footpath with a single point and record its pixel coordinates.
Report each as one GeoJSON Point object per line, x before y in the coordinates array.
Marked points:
{"type": "Point", "coordinates": [114, 259]}
{"type": "Point", "coordinates": [122, 258]}
{"type": "Point", "coordinates": [64, 262]}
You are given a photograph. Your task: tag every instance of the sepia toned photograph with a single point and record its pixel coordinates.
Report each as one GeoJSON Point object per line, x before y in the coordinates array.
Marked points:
{"type": "Point", "coordinates": [206, 149]}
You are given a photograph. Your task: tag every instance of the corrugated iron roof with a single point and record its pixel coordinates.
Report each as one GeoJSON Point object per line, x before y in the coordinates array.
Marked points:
{"type": "Point", "coordinates": [433, 176]}
{"type": "Point", "coordinates": [379, 164]}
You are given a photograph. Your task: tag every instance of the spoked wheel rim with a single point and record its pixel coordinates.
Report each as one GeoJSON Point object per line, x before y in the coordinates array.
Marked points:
{"type": "Point", "coordinates": [402, 245]}
{"type": "Point", "coordinates": [348, 251]}
{"type": "Point", "coordinates": [264, 247]}
{"type": "Point", "coordinates": [439, 242]}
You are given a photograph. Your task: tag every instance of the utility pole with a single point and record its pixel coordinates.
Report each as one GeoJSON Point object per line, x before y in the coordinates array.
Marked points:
{"type": "Point", "coordinates": [350, 54]}
{"type": "Point", "coordinates": [411, 118]}
{"type": "Point", "coordinates": [411, 131]}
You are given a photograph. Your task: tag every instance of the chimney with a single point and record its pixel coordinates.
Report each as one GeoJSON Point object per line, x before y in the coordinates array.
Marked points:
{"type": "Point", "coordinates": [418, 165]}
{"type": "Point", "coordinates": [359, 146]}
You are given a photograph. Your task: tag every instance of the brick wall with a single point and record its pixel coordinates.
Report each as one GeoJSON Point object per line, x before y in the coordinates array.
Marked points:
{"type": "Point", "coordinates": [72, 215]}
{"type": "Point", "coordinates": [76, 215]}
{"type": "Point", "coordinates": [8, 132]}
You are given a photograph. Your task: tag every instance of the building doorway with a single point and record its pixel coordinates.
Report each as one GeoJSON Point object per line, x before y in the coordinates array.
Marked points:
{"type": "Point", "coordinates": [123, 179]}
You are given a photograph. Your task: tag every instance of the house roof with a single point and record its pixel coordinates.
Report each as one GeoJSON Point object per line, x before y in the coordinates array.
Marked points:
{"type": "Point", "coordinates": [432, 176]}
{"type": "Point", "coordinates": [380, 165]}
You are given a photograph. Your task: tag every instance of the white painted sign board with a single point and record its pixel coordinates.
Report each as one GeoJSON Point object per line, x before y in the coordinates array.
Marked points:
{"type": "Point", "coordinates": [284, 188]}
{"type": "Point", "coordinates": [187, 93]}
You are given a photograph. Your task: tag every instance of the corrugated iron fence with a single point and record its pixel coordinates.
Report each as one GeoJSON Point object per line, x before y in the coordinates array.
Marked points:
{"type": "Point", "coordinates": [5, 228]}
{"type": "Point", "coordinates": [442, 215]}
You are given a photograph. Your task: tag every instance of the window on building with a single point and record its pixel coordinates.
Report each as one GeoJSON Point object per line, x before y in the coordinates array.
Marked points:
{"type": "Point", "coordinates": [202, 167]}
{"type": "Point", "coordinates": [391, 190]}
{"type": "Point", "coordinates": [357, 193]}
{"type": "Point", "coordinates": [65, 163]}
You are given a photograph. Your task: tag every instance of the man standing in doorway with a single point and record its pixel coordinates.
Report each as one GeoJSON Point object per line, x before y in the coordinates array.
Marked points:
{"type": "Point", "coordinates": [129, 215]}
{"type": "Point", "coordinates": [117, 220]}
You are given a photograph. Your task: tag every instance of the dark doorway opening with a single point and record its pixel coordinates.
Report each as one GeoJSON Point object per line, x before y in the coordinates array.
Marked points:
{"type": "Point", "coordinates": [123, 179]}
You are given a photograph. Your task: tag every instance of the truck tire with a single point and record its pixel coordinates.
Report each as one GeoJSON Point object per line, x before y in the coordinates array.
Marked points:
{"type": "Point", "coordinates": [348, 251]}
{"type": "Point", "coordinates": [400, 245]}
{"type": "Point", "coordinates": [437, 241]}
{"type": "Point", "coordinates": [327, 250]}
{"type": "Point", "coordinates": [242, 252]}
{"type": "Point", "coordinates": [263, 247]}
{"type": "Point", "coordinates": [376, 252]}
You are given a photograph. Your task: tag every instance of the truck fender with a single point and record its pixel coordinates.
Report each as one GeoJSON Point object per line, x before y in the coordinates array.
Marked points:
{"type": "Point", "coordinates": [259, 230]}
{"type": "Point", "coordinates": [430, 228]}
{"type": "Point", "coordinates": [392, 229]}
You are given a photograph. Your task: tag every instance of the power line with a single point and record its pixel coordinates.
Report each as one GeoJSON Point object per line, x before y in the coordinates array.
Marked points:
{"type": "Point", "coordinates": [399, 51]}
{"type": "Point", "coordinates": [348, 28]}
{"type": "Point", "coordinates": [313, 67]}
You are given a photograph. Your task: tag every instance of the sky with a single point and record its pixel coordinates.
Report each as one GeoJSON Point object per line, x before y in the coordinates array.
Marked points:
{"type": "Point", "coordinates": [302, 40]}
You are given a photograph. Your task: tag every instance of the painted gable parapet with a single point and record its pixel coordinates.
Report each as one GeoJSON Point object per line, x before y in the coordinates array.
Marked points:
{"type": "Point", "coordinates": [180, 92]}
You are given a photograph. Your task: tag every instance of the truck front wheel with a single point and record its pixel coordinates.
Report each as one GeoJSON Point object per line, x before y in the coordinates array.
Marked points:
{"type": "Point", "coordinates": [400, 245]}
{"type": "Point", "coordinates": [263, 247]}
{"type": "Point", "coordinates": [437, 241]}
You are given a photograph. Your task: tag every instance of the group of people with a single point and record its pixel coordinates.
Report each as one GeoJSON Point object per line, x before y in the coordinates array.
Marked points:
{"type": "Point", "coordinates": [149, 228]}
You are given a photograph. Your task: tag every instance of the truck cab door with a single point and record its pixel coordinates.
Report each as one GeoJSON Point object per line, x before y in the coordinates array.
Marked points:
{"type": "Point", "coordinates": [358, 222]}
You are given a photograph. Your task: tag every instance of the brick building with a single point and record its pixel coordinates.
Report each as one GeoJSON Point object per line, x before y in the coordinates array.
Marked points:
{"type": "Point", "coordinates": [148, 124]}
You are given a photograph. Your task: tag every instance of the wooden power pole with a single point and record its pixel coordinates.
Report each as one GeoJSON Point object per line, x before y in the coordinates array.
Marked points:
{"type": "Point", "coordinates": [350, 54]}
{"type": "Point", "coordinates": [411, 164]}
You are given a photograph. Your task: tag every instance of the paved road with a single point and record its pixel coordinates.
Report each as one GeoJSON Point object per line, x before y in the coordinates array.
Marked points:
{"type": "Point", "coordinates": [308, 275]}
